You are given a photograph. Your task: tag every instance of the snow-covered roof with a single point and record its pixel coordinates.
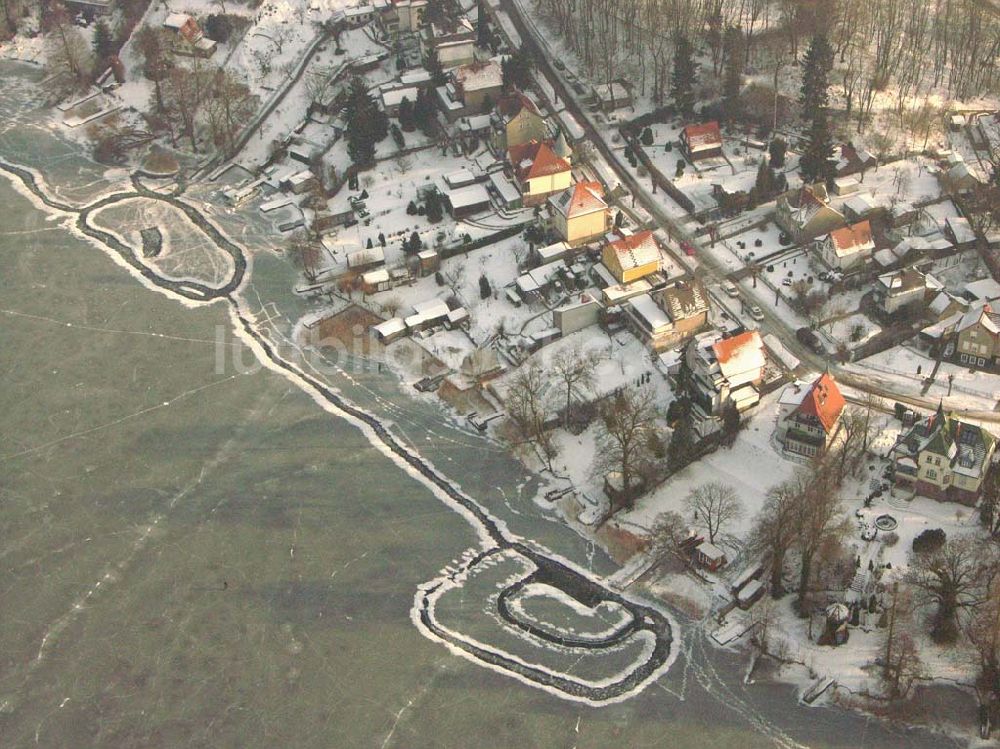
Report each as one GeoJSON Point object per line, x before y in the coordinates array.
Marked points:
{"type": "Point", "coordinates": [636, 250]}
{"type": "Point", "coordinates": [477, 76]}
{"type": "Point", "coordinates": [650, 311]}
{"type": "Point", "coordinates": [961, 229]}
{"type": "Point", "coordinates": [375, 276]}
{"type": "Point", "coordinates": [711, 551]}
{"type": "Point", "coordinates": [394, 97]}
{"type": "Point", "coordinates": [702, 137]}
{"type": "Point", "coordinates": [749, 591]}
{"type": "Point", "coordinates": [860, 204]}
{"type": "Point", "coordinates": [851, 239]}
{"type": "Point", "coordinates": [176, 20]}
{"type": "Point", "coordinates": [471, 195]}
{"type": "Point", "coordinates": [504, 187]}
{"type": "Point", "coordinates": [390, 327]}
{"type": "Point", "coordinates": [986, 289]}
{"type": "Point", "coordinates": [581, 198]}
{"type": "Point", "coordinates": [368, 256]}
{"type": "Point", "coordinates": [739, 354]}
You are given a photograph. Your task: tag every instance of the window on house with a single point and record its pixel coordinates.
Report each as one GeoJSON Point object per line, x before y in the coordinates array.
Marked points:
{"type": "Point", "coordinates": [964, 358]}
{"type": "Point", "coordinates": [932, 475]}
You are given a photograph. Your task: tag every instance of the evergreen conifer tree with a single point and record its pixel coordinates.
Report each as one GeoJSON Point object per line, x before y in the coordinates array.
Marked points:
{"type": "Point", "coordinates": [684, 76]}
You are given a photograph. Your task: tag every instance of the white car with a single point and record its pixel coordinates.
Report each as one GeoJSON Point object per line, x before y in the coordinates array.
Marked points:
{"type": "Point", "coordinates": [730, 288]}
{"type": "Point", "coordinates": [756, 313]}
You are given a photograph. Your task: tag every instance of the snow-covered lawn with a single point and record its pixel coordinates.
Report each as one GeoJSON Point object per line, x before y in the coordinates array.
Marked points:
{"type": "Point", "coordinates": [752, 466]}
{"type": "Point", "coordinates": [905, 368]}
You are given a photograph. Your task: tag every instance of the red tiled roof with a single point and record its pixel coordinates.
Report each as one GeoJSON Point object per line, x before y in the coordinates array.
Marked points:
{"type": "Point", "coordinates": [534, 159]}
{"type": "Point", "coordinates": [704, 135]}
{"type": "Point", "coordinates": [586, 197]}
{"type": "Point", "coordinates": [824, 401]}
{"type": "Point", "coordinates": [729, 347]}
{"type": "Point", "coordinates": [636, 250]}
{"type": "Point", "coordinates": [854, 235]}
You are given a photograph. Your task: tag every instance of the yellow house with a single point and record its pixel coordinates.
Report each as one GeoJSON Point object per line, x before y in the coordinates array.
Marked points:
{"type": "Point", "coordinates": [580, 214]}
{"type": "Point", "coordinates": [517, 122]}
{"type": "Point", "coordinates": [633, 257]}
{"type": "Point", "coordinates": [538, 171]}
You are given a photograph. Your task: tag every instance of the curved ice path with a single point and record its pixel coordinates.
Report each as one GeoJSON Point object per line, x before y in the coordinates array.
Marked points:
{"type": "Point", "coordinates": [646, 621]}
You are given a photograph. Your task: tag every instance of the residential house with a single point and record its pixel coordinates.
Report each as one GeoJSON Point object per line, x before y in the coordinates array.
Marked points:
{"type": "Point", "coordinates": [516, 121]}
{"type": "Point", "coordinates": [401, 16]}
{"type": "Point", "coordinates": [978, 337]}
{"type": "Point", "coordinates": [944, 458]}
{"type": "Point", "coordinates": [188, 37]}
{"type": "Point", "coordinates": [805, 214]}
{"type": "Point", "coordinates": [668, 317]}
{"type": "Point", "coordinates": [852, 161]}
{"type": "Point", "coordinates": [960, 178]}
{"type": "Point", "coordinates": [579, 213]}
{"type": "Point", "coordinates": [860, 205]}
{"type": "Point", "coordinates": [848, 247]}
{"type": "Point", "coordinates": [960, 232]}
{"type": "Point", "coordinates": [538, 171]}
{"type": "Point", "coordinates": [612, 96]}
{"type": "Point", "coordinates": [902, 290]}
{"type": "Point", "coordinates": [709, 556]}
{"type": "Point", "coordinates": [465, 201]}
{"type": "Point", "coordinates": [809, 415]}
{"type": "Point", "coordinates": [703, 141]}
{"type": "Point", "coordinates": [723, 371]}
{"type": "Point", "coordinates": [632, 257]}
{"type": "Point", "coordinates": [455, 45]}
{"type": "Point", "coordinates": [392, 97]}
{"type": "Point", "coordinates": [478, 84]}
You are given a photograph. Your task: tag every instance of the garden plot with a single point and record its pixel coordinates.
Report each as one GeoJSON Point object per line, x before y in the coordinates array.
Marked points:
{"type": "Point", "coordinates": [741, 467]}
{"type": "Point", "coordinates": [392, 187]}
{"type": "Point", "coordinates": [497, 262]}
{"type": "Point", "coordinates": [185, 252]}
{"type": "Point", "coordinates": [853, 330]}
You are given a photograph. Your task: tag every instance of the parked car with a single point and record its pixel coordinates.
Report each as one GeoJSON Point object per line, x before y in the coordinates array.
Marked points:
{"type": "Point", "coordinates": [730, 288]}
{"type": "Point", "coordinates": [810, 340]}
{"type": "Point", "coordinates": [786, 282]}
{"type": "Point", "coordinates": [560, 65]}
{"type": "Point", "coordinates": [756, 313]}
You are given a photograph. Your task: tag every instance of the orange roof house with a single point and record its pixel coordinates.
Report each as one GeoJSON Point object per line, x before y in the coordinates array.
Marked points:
{"type": "Point", "coordinates": [579, 213]}
{"type": "Point", "coordinates": [538, 171]}
{"type": "Point", "coordinates": [848, 246]}
{"type": "Point", "coordinates": [702, 141]}
{"type": "Point", "coordinates": [632, 257]}
{"type": "Point", "coordinates": [809, 415]}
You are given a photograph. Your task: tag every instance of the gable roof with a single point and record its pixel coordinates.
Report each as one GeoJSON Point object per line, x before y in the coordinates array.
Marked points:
{"type": "Point", "coordinates": [536, 159]}
{"type": "Point", "coordinates": [823, 401]}
{"type": "Point", "coordinates": [850, 239]}
{"type": "Point", "coordinates": [740, 353]}
{"type": "Point", "coordinates": [511, 105]}
{"type": "Point", "coordinates": [703, 136]}
{"type": "Point", "coordinates": [684, 300]}
{"type": "Point", "coordinates": [581, 198]}
{"type": "Point", "coordinates": [636, 250]}
{"type": "Point", "coordinates": [478, 75]}
{"type": "Point", "coordinates": [983, 316]}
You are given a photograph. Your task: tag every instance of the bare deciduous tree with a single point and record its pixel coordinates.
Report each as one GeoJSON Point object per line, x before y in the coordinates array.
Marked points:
{"type": "Point", "coordinates": [713, 506]}
{"type": "Point", "coordinates": [955, 578]}
{"type": "Point", "coordinates": [577, 371]}
{"type": "Point", "coordinates": [527, 406]}
{"type": "Point", "coordinates": [628, 420]}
